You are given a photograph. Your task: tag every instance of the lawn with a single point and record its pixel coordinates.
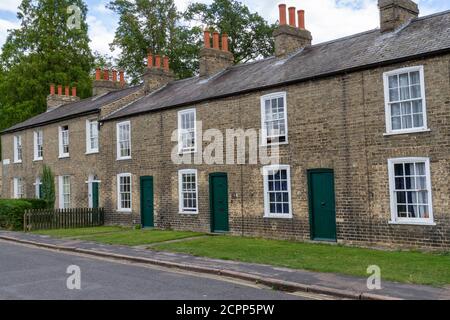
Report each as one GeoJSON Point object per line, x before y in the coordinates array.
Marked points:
{"type": "Point", "coordinates": [401, 266]}
{"type": "Point", "coordinates": [119, 235]}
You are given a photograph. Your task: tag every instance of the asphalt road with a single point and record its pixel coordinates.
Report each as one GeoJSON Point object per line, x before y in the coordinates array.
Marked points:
{"type": "Point", "coordinates": [33, 273]}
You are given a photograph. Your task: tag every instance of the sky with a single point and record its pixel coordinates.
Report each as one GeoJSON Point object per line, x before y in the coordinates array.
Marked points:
{"type": "Point", "coordinates": [326, 19]}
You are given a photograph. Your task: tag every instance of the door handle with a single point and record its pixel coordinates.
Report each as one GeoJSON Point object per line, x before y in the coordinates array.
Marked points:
{"type": "Point", "coordinates": [322, 204]}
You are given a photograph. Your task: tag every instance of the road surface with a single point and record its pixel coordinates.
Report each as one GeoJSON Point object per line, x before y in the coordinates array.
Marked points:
{"type": "Point", "coordinates": [34, 273]}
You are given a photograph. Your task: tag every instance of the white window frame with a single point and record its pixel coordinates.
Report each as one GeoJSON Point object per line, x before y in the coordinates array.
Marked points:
{"type": "Point", "coordinates": [36, 134]}
{"type": "Point", "coordinates": [387, 103]}
{"type": "Point", "coordinates": [263, 118]}
{"type": "Point", "coordinates": [37, 186]}
{"type": "Point", "coordinates": [393, 202]}
{"type": "Point", "coordinates": [181, 149]}
{"type": "Point", "coordinates": [62, 204]}
{"type": "Point", "coordinates": [119, 202]}
{"type": "Point", "coordinates": [267, 213]}
{"type": "Point", "coordinates": [63, 154]}
{"type": "Point", "coordinates": [18, 141]}
{"type": "Point", "coordinates": [181, 208]}
{"type": "Point", "coordinates": [118, 126]}
{"type": "Point", "coordinates": [89, 137]}
{"type": "Point", "coordinates": [16, 194]}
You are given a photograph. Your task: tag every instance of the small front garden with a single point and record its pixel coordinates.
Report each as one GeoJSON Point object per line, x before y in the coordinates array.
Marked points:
{"type": "Point", "coordinates": [120, 235]}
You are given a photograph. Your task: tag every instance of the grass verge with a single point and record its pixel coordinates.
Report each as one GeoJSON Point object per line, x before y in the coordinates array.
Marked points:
{"type": "Point", "coordinates": [402, 266]}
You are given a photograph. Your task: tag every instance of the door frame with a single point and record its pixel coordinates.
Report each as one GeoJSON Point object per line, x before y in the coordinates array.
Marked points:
{"type": "Point", "coordinates": [90, 181]}
{"type": "Point", "coordinates": [141, 195]}
{"type": "Point", "coordinates": [211, 200]}
{"type": "Point", "coordinates": [309, 173]}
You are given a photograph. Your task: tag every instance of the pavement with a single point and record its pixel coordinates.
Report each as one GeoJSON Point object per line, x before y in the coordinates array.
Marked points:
{"type": "Point", "coordinates": [288, 280]}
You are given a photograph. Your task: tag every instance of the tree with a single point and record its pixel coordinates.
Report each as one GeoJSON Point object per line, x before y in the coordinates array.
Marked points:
{"type": "Point", "coordinates": [48, 187]}
{"type": "Point", "coordinates": [250, 35]}
{"type": "Point", "coordinates": [153, 26]}
{"type": "Point", "coordinates": [44, 50]}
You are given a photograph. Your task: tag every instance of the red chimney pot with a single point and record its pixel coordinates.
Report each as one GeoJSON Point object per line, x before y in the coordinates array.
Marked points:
{"type": "Point", "coordinates": [59, 90]}
{"type": "Point", "coordinates": [216, 40]}
{"type": "Point", "coordinates": [282, 8]}
{"type": "Point", "coordinates": [98, 74]}
{"type": "Point", "coordinates": [225, 42]}
{"type": "Point", "coordinates": [74, 91]}
{"type": "Point", "coordinates": [149, 61]}
{"type": "Point", "coordinates": [122, 78]}
{"type": "Point", "coordinates": [66, 91]}
{"type": "Point", "coordinates": [292, 16]}
{"type": "Point", "coordinates": [106, 74]}
{"type": "Point", "coordinates": [52, 89]}
{"type": "Point", "coordinates": [207, 39]}
{"type": "Point", "coordinates": [301, 19]}
{"type": "Point", "coordinates": [114, 76]}
{"type": "Point", "coordinates": [158, 61]}
{"type": "Point", "coordinates": [166, 63]}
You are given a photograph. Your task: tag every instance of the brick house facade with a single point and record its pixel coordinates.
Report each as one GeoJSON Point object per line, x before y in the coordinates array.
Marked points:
{"type": "Point", "coordinates": [364, 152]}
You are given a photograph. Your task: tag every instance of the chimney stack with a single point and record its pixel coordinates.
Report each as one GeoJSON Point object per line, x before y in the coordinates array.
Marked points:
{"type": "Point", "coordinates": [215, 59]}
{"type": "Point", "coordinates": [105, 84]}
{"type": "Point", "coordinates": [157, 76]}
{"type": "Point", "coordinates": [395, 13]}
{"type": "Point", "coordinates": [288, 37]}
{"type": "Point", "coordinates": [56, 100]}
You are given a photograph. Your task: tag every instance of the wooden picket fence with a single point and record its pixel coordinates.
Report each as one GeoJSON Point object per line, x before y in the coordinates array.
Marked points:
{"type": "Point", "coordinates": [42, 219]}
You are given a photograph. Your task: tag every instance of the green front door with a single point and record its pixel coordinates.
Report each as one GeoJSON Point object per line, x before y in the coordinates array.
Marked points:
{"type": "Point", "coordinates": [322, 206]}
{"type": "Point", "coordinates": [147, 202]}
{"type": "Point", "coordinates": [218, 193]}
{"type": "Point", "coordinates": [94, 194]}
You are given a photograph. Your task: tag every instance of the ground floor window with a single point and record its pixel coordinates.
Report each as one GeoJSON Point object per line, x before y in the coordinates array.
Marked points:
{"type": "Point", "coordinates": [188, 196]}
{"type": "Point", "coordinates": [38, 188]}
{"type": "Point", "coordinates": [277, 191]}
{"type": "Point", "coordinates": [18, 188]}
{"type": "Point", "coordinates": [124, 192]}
{"type": "Point", "coordinates": [410, 190]}
{"type": "Point", "coordinates": [64, 192]}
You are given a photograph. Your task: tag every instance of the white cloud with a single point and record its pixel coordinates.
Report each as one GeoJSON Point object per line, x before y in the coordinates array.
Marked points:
{"type": "Point", "coordinates": [4, 26]}
{"type": "Point", "coordinates": [9, 5]}
{"type": "Point", "coordinates": [101, 36]}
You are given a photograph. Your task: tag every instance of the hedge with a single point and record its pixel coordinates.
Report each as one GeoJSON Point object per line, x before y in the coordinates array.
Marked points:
{"type": "Point", "coordinates": [12, 211]}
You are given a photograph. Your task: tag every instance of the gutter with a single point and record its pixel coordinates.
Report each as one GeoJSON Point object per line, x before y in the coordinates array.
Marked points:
{"type": "Point", "coordinates": [290, 82]}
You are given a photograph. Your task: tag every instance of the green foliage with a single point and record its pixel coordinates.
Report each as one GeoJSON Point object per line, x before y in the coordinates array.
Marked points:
{"type": "Point", "coordinates": [42, 51]}
{"type": "Point", "coordinates": [250, 35]}
{"type": "Point", "coordinates": [12, 211]}
{"type": "Point", "coordinates": [153, 26]}
{"type": "Point", "coordinates": [48, 187]}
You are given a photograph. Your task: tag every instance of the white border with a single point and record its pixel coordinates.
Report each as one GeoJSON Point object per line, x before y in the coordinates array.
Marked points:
{"type": "Point", "coordinates": [263, 112]}
{"type": "Point", "coordinates": [119, 203]}
{"type": "Point", "coordinates": [88, 137]}
{"type": "Point", "coordinates": [61, 154]}
{"type": "Point", "coordinates": [415, 221]}
{"type": "Point", "coordinates": [16, 143]}
{"type": "Point", "coordinates": [180, 198]}
{"type": "Point", "coordinates": [35, 146]}
{"type": "Point", "coordinates": [267, 213]}
{"type": "Point", "coordinates": [118, 157]}
{"type": "Point", "coordinates": [387, 109]}
{"type": "Point", "coordinates": [180, 142]}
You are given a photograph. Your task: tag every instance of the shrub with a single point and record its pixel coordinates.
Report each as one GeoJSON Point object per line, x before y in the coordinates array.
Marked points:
{"type": "Point", "coordinates": [48, 187]}
{"type": "Point", "coordinates": [12, 211]}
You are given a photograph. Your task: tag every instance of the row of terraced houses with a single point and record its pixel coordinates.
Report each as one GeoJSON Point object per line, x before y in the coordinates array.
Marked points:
{"type": "Point", "coordinates": [361, 123]}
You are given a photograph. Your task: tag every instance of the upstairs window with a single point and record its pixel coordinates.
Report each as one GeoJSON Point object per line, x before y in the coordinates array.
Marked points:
{"type": "Point", "coordinates": [187, 131]}
{"type": "Point", "coordinates": [124, 140]}
{"type": "Point", "coordinates": [277, 191]}
{"type": "Point", "coordinates": [64, 192]}
{"type": "Point", "coordinates": [17, 149]}
{"type": "Point", "coordinates": [188, 197]}
{"type": "Point", "coordinates": [63, 141]}
{"type": "Point", "coordinates": [38, 145]}
{"type": "Point", "coordinates": [91, 136]}
{"type": "Point", "coordinates": [274, 119]}
{"type": "Point", "coordinates": [410, 190]}
{"type": "Point", "coordinates": [405, 100]}
{"type": "Point", "coordinates": [18, 187]}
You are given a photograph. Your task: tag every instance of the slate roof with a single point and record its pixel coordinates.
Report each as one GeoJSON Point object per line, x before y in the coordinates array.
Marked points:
{"type": "Point", "coordinates": [72, 110]}
{"type": "Point", "coordinates": [422, 36]}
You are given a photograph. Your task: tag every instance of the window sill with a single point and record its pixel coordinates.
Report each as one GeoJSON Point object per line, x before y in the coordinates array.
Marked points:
{"type": "Point", "coordinates": [188, 213]}
{"type": "Point", "coordinates": [412, 223]}
{"type": "Point", "coordinates": [394, 133]}
{"type": "Point", "coordinates": [124, 158]}
{"type": "Point", "coordinates": [64, 157]}
{"type": "Point", "coordinates": [17, 162]}
{"type": "Point", "coordinates": [124, 211]}
{"type": "Point", "coordinates": [39, 159]}
{"type": "Point", "coordinates": [276, 216]}
{"type": "Point", "coordinates": [92, 152]}
{"type": "Point", "coordinates": [273, 144]}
